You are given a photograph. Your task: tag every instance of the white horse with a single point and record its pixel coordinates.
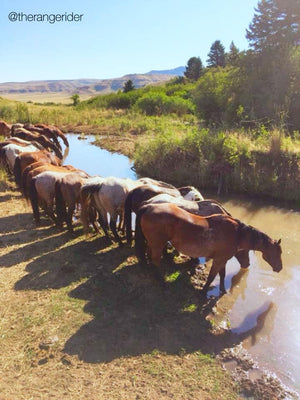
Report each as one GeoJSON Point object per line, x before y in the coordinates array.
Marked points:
{"type": "Point", "coordinates": [108, 197]}
{"type": "Point", "coordinates": [11, 151]}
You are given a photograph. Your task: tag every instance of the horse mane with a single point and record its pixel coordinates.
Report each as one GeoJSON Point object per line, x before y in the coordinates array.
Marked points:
{"type": "Point", "coordinates": [256, 236]}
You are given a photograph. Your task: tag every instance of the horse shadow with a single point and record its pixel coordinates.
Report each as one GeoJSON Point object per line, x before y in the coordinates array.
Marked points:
{"type": "Point", "coordinates": [39, 241]}
{"type": "Point", "coordinates": [133, 315]}
{"type": "Point", "coordinates": [60, 266]}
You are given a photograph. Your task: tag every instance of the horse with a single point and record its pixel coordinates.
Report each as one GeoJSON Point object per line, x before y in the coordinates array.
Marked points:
{"type": "Point", "coordinates": [67, 196]}
{"type": "Point", "coordinates": [42, 191]}
{"type": "Point", "coordinates": [43, 140]}
{"type": "Point", "coordinates": [203, 208]}
{"type": "Point", "coordinates": [216, 237]}
{"type": "Point", "coordinates": [140, 194]}
{"type": "Point", "coordinates": [150, 181]}
{"type": "Point", "coordinates": [25, 159]}
{"type": "Point", "coordinates": [109, 198]}
{"type": "Point", "coordinates": [88, 207]}
{"type": "Point", "coordinates": [53, 130]}
{"type": "Point", "coordinates": [4, 129]}
{"type": "Point", "coordinates": [43, 131]}
{"type": "Point", "coordinates": [35, 169]}
{"type": "Point", "coordinates": [10, 152]}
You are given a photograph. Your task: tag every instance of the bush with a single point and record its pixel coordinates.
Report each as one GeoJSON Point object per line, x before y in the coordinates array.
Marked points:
{"type": "Point", "coordinates": [160, 103]}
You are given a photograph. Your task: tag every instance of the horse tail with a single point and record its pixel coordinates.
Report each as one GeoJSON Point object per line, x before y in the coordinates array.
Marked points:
{"type": "Point", "coordinates": [18, 172]}
{"type": "Point", "coordinates": [86, 193]}
{"type": "Point", "coordinates": [60, 204]}
{"type": "Point", "coordinates": [3, 159]}
{"type": "Point", "coordinates": [33, 196]}
{"type": "Point", "coordinates": [127, 217]}
{"type": "Point", "coordinates": [140, 240]}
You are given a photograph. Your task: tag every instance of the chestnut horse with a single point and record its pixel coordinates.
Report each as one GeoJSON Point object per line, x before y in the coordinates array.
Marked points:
{"type": "Point", "coordinates": [142, 193]}
{"type": "Point", "coordinates": [217, 236]}
{"type": "Point", "coordinates": [25, 159]}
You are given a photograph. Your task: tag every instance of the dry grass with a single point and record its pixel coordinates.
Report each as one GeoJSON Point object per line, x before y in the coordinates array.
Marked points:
{"type": "Point", "coordinates": [80, 319]}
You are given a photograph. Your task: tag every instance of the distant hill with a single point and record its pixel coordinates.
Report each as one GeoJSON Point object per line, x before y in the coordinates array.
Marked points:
{"type": "Point", "coordinates": [179, 71]}
{"type": "Point", "coordinates": [61, 90]}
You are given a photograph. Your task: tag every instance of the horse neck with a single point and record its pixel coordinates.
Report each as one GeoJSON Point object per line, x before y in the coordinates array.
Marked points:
{"type": "Point", "coordinates": [251, 238]}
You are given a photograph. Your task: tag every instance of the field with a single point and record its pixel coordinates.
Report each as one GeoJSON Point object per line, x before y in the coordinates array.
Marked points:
{"type": "Point", "coordinates": [54, 97]}
{"type": "Point", "coordinates": [80, 319]}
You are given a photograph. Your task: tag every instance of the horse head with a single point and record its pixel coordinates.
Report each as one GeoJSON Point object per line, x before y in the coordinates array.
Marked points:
{"type": "Point", "coordinates": [272, 254]}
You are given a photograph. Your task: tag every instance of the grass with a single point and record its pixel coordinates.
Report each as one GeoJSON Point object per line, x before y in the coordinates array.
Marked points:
{"type": "Point", "coordinates": [80, 319]}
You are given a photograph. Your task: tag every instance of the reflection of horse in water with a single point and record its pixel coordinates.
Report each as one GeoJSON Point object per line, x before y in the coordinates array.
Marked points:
{"type": "Point", "coordinates": [218, 237]}
{"type": "Point", "coordinates": [254, 322]}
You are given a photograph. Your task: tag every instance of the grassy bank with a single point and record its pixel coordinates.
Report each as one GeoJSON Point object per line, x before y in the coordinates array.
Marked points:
{"type": "Point", "coordinates": [266, 164]}
{"type": "Point", "coordinates": [172, 147]}
{"type": "Point", "coordinates": [80, 319]}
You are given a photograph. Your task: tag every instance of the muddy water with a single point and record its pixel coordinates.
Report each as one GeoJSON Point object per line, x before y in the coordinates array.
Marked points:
{"type": "Point", "coordinates": [259, 300]}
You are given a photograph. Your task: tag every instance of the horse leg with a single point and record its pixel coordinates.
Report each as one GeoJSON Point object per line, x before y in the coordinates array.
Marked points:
{"type": "Point", "coordinates": [243, 258]}
{"type": "Point", "coordinates": [113, 227]}
{"type": "Point", "coordinates": [156, 251]}
{"type": "Point", "coordinates": [104, 225]}
{"type": "Point", "coordinates": [216, 267]}
{"type": "Point", "coordinates": [222, 274]}
{"type": "Point", "coordinates": [70, 212]}
{"type": "Point", "coordinates": [50, 213]}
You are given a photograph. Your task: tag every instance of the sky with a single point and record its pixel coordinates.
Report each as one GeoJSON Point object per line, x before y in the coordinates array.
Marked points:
{"type": "Point", "coordinates": [114, 38]}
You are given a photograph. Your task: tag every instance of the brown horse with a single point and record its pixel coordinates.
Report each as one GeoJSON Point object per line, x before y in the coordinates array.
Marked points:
{"type": "Point", "coordinates": [67, 197]}
{"type": "Point", "coordinates": [53, 130]}
{"type": "Point", "coordinates": [4, 129]}
{"type": "Point", "coordinates": [25, 159]}
{"type": "Point", "coordinates": [35, 169]}
{"type": "Point", "coordinates": [216, 237]}
{"type": "Point", "coordinates": [204, 208]}
{"type": "Point", "coordinates": [43, 140]}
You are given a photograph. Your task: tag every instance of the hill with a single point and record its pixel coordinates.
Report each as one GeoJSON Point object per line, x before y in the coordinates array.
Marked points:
{"type": "Point", "coordinates": [61, 90]}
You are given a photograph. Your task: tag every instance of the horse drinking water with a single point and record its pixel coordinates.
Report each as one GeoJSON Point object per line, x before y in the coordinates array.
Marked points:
{"type": "Point", "coordinates": [217, 236]}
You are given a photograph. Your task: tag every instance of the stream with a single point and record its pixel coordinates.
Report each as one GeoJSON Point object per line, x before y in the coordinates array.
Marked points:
{"type": "Point", "coordinates": [258, 297]}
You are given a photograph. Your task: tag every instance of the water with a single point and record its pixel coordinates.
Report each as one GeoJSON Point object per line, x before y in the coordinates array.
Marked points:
{"type": "Point", "coordinates": [258, 298]}
{"type": "Point", "coordinates": [97, 161]}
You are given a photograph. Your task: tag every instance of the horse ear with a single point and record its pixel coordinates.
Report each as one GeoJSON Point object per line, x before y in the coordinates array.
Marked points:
{"type": "Point", "coordinates": [279, 241]}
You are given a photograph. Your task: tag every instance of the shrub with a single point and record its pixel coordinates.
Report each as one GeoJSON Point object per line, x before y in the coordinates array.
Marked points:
{"type": "Point", "coordinates": [160, 103]}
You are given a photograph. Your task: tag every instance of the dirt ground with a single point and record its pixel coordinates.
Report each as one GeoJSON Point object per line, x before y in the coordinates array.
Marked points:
{"type": "Point", "coordinates": [81, 319]}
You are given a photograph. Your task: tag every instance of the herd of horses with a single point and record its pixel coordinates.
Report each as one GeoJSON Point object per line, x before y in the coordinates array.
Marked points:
{"type": "Point", "coordinates": [165, 215]}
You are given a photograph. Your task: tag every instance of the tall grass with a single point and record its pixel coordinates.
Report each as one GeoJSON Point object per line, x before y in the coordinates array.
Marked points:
{"type": "Point", "coordinates": [224, 161]}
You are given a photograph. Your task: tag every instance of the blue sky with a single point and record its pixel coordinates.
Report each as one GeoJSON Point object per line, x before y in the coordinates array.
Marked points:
{"type": "Point", "coordinates": [115, 37]}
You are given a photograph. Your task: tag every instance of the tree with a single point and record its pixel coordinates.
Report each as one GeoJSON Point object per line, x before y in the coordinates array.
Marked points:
{"type": "Point", "coordinates": [233, 56]}
{"type": "Point", "coordinates": [194, 69]}
{"type": "Point", "coordinates": [275, 25]}
{"type": "Point", "coordinates": [128, 86]}
{"type": "Point", "coordinates": [76, 99]}
{"type": "Point", "coordinates": [216, 56]}
{"type": "Point", "coordinates": [272, 77]}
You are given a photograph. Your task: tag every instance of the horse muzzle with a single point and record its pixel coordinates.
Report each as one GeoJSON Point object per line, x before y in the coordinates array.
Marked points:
{"type": "Point", "coordinates": [278, 268]}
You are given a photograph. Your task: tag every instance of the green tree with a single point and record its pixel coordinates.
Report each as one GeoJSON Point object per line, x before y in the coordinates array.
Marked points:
{"type": "Point", "coordinates": [216, 56]}
{"type": "Point", "coordinates": [128, 86]}
{"type": "Point", "coordinates": [193, 69]}
{"type": "Point", "coordinates": [215, 96]}
{"type": "Point", "coordinates": [76, 99]}
{"type": "Point", "coordinates": [275, 25]}
{"type": "Point", "coordinates": [272, 78]}
{"type": "Point", "coordinates": [233, 56]}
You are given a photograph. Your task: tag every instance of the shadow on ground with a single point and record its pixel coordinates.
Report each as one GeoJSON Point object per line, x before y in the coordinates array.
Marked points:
{"type": "Point", "coordinates": [132, 314]}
